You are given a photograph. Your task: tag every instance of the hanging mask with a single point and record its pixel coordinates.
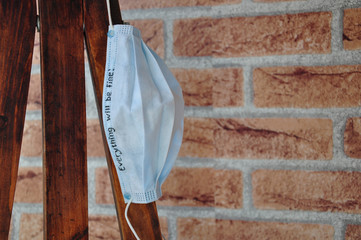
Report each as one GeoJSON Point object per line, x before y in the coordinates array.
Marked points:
{"type": "Point", "coordinates": [142, 114]}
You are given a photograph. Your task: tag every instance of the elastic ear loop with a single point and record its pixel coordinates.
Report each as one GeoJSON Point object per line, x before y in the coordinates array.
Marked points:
{"type": "Point", "coordinates": [129, 224]}
{"type": "Point", "coordinates": [111, 31]}
{"type": "Point", "coordinates": [126, 218]}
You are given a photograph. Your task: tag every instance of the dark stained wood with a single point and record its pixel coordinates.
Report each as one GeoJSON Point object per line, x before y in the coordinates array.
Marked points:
{"type": "Point", "coordinates": [64, 120]}
{"type": "Point", "coordinates": [17, 31]}
{"type": "Point", "coordinates": [144, 217]}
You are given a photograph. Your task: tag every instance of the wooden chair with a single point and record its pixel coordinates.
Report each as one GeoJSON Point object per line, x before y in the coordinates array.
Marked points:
{"type": "Point", "coordinates": [63, 26]}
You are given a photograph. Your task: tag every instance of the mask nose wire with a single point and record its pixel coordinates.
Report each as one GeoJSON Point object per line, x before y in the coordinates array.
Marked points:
{"type": "Point", "coordinates": [110, 15]}
{"type": "Point", "coordinates": [126, 218]}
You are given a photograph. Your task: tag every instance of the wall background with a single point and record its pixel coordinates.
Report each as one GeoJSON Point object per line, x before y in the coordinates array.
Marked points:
{"type": "Point", "coordinates": [272, 130]}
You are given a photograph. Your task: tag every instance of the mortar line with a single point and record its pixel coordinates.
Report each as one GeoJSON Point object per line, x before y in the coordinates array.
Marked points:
{"type": "Point", "coordinates": [339, 125]}
{"type": "Point", "coordinates": [256, 216]}
{"type": "Point", "coordinates": [248, 90]}
{"type": "Point", "coordinates": [337, 30]}
{"type": "Point", "coordinates": [331, 59]}
{"type": "Point", "coordinates": [35, 69]}
{"type": "Point", "coordinates": [195, 163]}
{"type": "Point", "coordinates": [91, 186]}
{"type": "Point", "coordinates": [272, 164]}
{"type": "Point", "coordinates": [340, 229]}
{"type": "Point", "coordinates": [30, 208]}
{"type": "Point", "coordinates": [16, 215]}
{"type": "Point", "coordinates": [301, 216]}
{"type": "Point", "coordinates": [30, 161]}
{"type": "Point", "coordinates": [168, 40]}
{"type": "Point", "coordinates": [290, 113]}
{"type": "Point", "coordinates": [351, 221]}
{"type": "Point", "coordinates": [103, 209]}
{"type": "Point", "coordinates": [247, 189]}
{"type": "Point", "coordinates": [18, 210]}
{"type": "Point", "coordinates": [91, 108]}
{"type": "Point", "coordinates": [94, 208]}
{"type": "Point", "coordinates": [172, 228]}
{"type": "Point", "coordinates": [33, 115]}
{"type": "Point", "coordinates": [186, 212]}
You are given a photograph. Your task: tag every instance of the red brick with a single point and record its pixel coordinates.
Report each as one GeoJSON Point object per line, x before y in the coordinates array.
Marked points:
{"type": "Point", "coordinates": [197, 86]}
{"type": "Point", "coordinates": [307, 87]}
{"type": "Point", "coordinates": [94, 139]}
{"type": "Point", "coordinates": [191, 228]}
{"type": "Point", "coordinates": [270, 138]}
{"type": "Point", "coordinates": [31, 227]}
{"type": "Point", "coordinates": [353, 232]}
{"type": "Point", "coordinates": [201, 187]}
{"type": "Point", "coordinates": [194, 229]}
{"type": "Point", "coordinates": [352, 138]}
{"type": "Point", "coordinates": [29, 186]}
{"type": "Point", "coordinates": [103, 188]}
{"type": "Point", "coordinates": [36, 55]}
{"type": "Point", "coordinates": [352, 29]}
{"type": "Point", "coordinates": [139, 4]}
{"type": "Point", "coordinates": [152, 33]}
{"type": "Point", "coordinates": [303, 33]}
{"type": "Point", "coordinates": [198, 138]}
{"type": "Point", "coordinates": [189, 187]}
{"type": "Point", "coordinates": [34, 98]}
{"type": "Point", "coordinates": [220, 87]}
{"type": "Point", "coordinates": [228, 229]}
{"type": "Point", "coordinates": [306, 190]}
{"type": "Point", "coordinates": [32, 139]}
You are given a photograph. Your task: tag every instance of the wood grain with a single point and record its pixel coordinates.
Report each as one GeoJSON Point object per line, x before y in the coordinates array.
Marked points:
{"type": "Point", "coordinates": [144, 217]}
{"type": "Point", "coordinates": [64, 120]}
{"type": "Point", "coordinates": [17, 31]}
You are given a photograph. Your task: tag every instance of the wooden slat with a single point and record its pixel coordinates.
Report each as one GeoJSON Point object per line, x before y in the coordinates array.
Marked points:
{"type": "Point", "coordinates": [17, 32]}
{"type": "Point", "coordinates": [144, 217]}
{"type": "Point", "coordinates": [64, 120]}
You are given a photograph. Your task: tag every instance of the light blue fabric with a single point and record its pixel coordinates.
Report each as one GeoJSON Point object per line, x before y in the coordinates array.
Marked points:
{"type": "Point", "coordinates": [143, 112]}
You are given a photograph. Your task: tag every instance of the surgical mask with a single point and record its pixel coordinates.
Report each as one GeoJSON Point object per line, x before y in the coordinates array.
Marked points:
{"type": "Point", "coordinates": [143, 112]}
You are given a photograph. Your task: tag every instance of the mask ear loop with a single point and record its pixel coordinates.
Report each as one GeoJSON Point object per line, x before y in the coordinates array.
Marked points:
{"type": "Point", "coordinates": [126, 218]}
{"type": "Point", "coordinates": [129, 224]}
{"type": "Point", "coordinates": [111, 31]}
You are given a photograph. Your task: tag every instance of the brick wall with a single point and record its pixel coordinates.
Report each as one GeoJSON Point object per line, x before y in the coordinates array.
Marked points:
{"type": "Point", "coordinates": [272, 134]}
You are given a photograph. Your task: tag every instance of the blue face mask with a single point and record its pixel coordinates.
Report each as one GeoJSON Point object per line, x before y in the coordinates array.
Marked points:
{"type": "Point", "coordinates": [142, 114]}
